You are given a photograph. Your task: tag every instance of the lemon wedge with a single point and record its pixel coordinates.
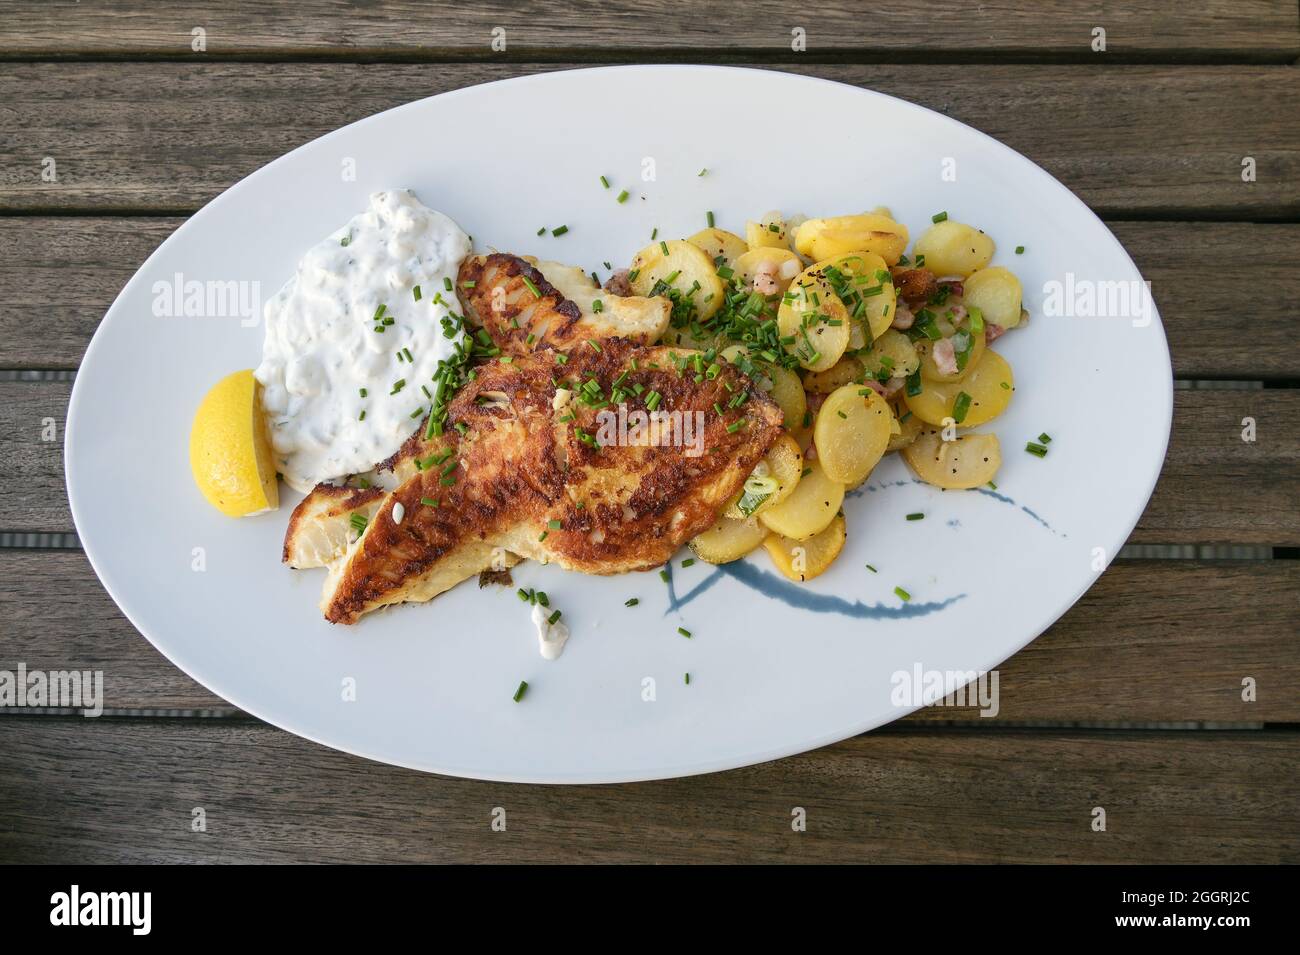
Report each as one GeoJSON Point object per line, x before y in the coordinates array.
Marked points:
{"type": "Point", "coordinates": [230, 453]}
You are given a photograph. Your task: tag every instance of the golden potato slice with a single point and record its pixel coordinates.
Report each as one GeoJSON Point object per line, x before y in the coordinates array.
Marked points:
{"type": "Point", "coordinates": [768, 269]}
{"type": "Point", "coordinates": [864, 285]}
{"type": "Point", "coordinates": [845, 371]}
{"type": "Point", "coordinates": [892, 355]}
{"type": "Point", "coordinates": [852, 432]}
{"type": "Point", "coordinates": [728, 540]}
{"type": "Point", "coordinates": [870, 232]}
{"type": "Point", "coordinates": [680, 266]}
{"type": "Point", "coordinates": [720, 244]}
{"type": "Point", "coordinates": [909, 426]}
{"type": "Point", "coordinates": [969, 461]}
{"type": "Point", "coordinates": [996, 292]}
{"type": "Point", "coordinates": [814, 317]}
{"type": "Point", "coordinates": [930, 369]}
{"type": "Point", "coordinates": [772, 481]}
{"type": "Point", "coordinates": [767, 233]}
{"type": "Point", "coordinates": [989, 385]}
{"type": "Point", "coordinates": [810, 509]}
{"type": "Point", "coordinates": [954, 248]}
{"type": "Point", "coordinates": [803, 560]}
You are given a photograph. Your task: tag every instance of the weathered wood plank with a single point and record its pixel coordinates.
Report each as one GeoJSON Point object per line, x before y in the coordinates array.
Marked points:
{"type": "Point", "coordinates": [62, 273]}
{"type": "Point", "coordinates": [73, 791]}
{"type": "Point", "coordinates": [1166, 618]}
{"type": "Point", "coordinates": [438, 29]}
{"type": "Point", "coordinates": [1215, 488]}
{"type": "Point", "coordinates": [158, 136]}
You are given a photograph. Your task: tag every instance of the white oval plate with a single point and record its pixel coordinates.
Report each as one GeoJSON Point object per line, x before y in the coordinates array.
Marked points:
{"type": "Point", "coordinates": [433, 684]}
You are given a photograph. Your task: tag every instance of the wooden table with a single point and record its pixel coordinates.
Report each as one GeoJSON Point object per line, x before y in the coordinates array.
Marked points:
{"type": "Point", "coordinates": [1132, 702]}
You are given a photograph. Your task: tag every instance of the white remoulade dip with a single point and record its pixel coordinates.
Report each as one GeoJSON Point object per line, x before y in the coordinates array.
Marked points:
{"type": "Point", "coordinates": [355, 336]}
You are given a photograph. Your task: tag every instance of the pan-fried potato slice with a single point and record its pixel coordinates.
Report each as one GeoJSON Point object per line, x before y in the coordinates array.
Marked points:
{"type": "Point", "coordinates": [769, 232]}
{"type": "Point", "coordinates": [780, 383]}
{"type": "Point", "coordinates": [803, 560]}
{"type": "Point", "coordinates": [681, 266]}
{"type": "Point", "coordinates": [871, 232]}
{"type": "Point", "coordinates": [930, 369]}
{"type": "Point", "coordinates": [728, 540]}
{"type": "Point", "coordinates": [851, 433]}
{"type": "Point", "coordinates": [779, 265]}
{"type": "Point", "coordinates": [954, 248]}
{"type": "Point", "coordinates": [772, 481]}
{"type": "Point", "coordinates": [997, 293]}
{"type": "Point", "coordinates": [813, 315]}
{"type": "Point", "coordinates": [862, 281]}
{"type": "Point", "coordinates": [845, 371]}
{"type": "Point", "coordinates": [989, 384]}
{"type": "Point", "coordinates": [909, 426]}
{"type": "Point", "coordinates": [892, 355]}
{"type": "Point", "coordinates": [970, 461]}
{"type": "Point", "coordinates": [810, 509]}
{"type": "Point", "coordinates": [720, 244]}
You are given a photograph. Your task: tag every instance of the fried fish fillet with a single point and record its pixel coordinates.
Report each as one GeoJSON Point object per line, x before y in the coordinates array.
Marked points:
{"type": "Point", "coordinates": [529, 466]}
{"type": "Point", "coordinates": [527, 305]}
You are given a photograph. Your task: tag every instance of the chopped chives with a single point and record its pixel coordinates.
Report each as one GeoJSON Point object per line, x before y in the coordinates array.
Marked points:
{"type": "Point", "coordinates": [663, 575]}
{"type": "Point", "coordinates": [554, 525]}
{"type": "Point", "coordinates": [446, 282]}
{"type": "Point", "coordinates": [604, 182]}
{"type": "Point", "coordinates": [631, 601]}
{"type": "Point", "coordinates": [939, 217]}
{"type": "Point", "coordinates": [519, 693]}
{"type": "Point", "coordinates": [1036, 449]}
{"type": "Point", "coordinates": [684, 632]}
{"type": "Point", "coordinates": [553, 617]}
{"type": "Point", "coordinates": [428, 502]}
{"type": "Point", "coordinates": [709, 217]}
{"type": "Point", "coordinates": [1045, 438]}
{"type": "Point", "coordinates": [1020, 250]}
{"type": "Point", "coordinates": [532, 287]}
{"type": "Point", "coordinates": [688, 679]}
{"type": "Point", "coordinates": [688, 562]}
{"type": "Point", "coordinates": [903, 594]}
{"type": "Point", "coordinates": [559, 231]}
{"type": "Point", "coordinates": [918, 516]}
{"type": "Point", "coordinates": [523, 594]}
{"type": "Point", "coordinates": [542, 231]}
{"type": "Point", "coordinates": [622, 196]}
{"type": "Point", "coordinates": [542, 536]}
{"type": "Point", "coordinates": [594, 344]}
{"type": "Point", "coordinates": [872, 569]}
{"type": "Point", "coordinates": [960, 406]}
{"type": "Point", "coordinates": [663, 247]}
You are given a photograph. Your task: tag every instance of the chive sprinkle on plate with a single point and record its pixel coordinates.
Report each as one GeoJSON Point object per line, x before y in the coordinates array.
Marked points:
{"type": "Point", "coordinates": [519, 693]}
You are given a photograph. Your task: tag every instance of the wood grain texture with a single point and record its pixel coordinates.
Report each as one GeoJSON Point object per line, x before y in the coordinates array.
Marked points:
{"type": "Point", "coordinates": [1145, 644]}
{"type": "Point", "coordinates": [92, 791]}
{"type": "Point", "coordinates": [62, 273]}
{"type": "Point", "coordinates": [1215, 488]}
{"type": "Point", "coordinates": [438, 29]}
{"type": "Point", "coordinates": [167, 137]}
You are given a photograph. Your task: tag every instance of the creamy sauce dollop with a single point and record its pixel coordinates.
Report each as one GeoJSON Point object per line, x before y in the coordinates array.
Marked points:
{"type": "Point", "coordinates": [323, 362]}
{"type": "Point", "coordinates": [551, 637]}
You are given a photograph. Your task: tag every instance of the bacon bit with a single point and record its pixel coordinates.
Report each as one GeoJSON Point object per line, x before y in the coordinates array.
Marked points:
{"type": "Point", "coordinates": [893, 386]}
{"type": "Point", "coordinates": [955, 287]}
{"type": "Point", "coordinates": [765, 279]}
{"type": "Point", "coordinates": [915, 286]}
{"type": "Point", "coordinates": [618, 283]}
{"type": "Point", "coordinates": [993, 332]}
{"type": "Point", "coordinates": [945, 356]}
{"type": "Point", "coordinates": [903, 317]}
{"type": "Point", "coordinates": [956, 313]}
{"type": "Point", "coordinates": [815, 402]}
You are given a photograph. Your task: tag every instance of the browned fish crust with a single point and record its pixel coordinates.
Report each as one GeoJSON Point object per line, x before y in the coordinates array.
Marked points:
{"type": "Point", "coordinates": [525, 480]}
